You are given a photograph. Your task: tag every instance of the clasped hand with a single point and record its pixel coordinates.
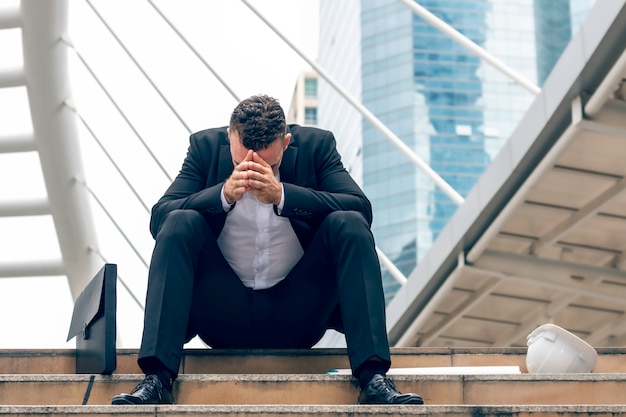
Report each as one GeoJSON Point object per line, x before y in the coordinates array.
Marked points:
{"type": "Point", "coordinates": [255, 176]}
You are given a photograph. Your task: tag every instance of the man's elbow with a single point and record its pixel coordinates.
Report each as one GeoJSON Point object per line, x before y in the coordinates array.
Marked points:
{"type": "Point", "coordinates": [367, 211]}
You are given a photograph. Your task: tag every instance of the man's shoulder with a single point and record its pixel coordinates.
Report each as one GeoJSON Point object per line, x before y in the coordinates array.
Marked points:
{"type": "Point", "coordinates": [209, 141]}
{"type": "Point", "coordinates": [215, 133]}
{"type": "Point", "coordinates": [296, 129]}
{"type": "Point", "coordinates": [309, 135]}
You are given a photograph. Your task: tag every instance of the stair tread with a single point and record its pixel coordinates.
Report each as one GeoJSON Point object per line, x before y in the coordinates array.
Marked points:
{"type": "Point", "coordinates": [339, 378]}
{"type": "Point", "coordinates": [315, 361]}
{"type": "Point", "coordinates": [468, 410]}
{"type": "Point", "coordinates": [294, 383]}
{"type": "Point", "coordinates": [240, 389]}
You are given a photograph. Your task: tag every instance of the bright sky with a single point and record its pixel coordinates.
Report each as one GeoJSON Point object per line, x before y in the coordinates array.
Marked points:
{"type": "Point", "coordinates": [240, 48]}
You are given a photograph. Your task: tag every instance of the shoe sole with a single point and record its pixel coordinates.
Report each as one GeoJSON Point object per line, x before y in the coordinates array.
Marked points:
{"type": "Point", "coordinates": [122, 400]}
{"type": "Point", "coordinates": [410, 402]}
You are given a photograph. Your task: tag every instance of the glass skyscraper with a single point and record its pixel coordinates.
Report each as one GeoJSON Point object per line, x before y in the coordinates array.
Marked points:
{"type": "Point", "coordinates": [454, 110]}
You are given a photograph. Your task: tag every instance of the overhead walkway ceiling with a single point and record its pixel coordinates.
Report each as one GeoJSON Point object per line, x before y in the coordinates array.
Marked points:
{"type": "Point", "coordinates": [542, 236]}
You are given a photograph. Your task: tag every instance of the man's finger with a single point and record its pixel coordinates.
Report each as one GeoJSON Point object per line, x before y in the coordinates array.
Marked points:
{"type": "Point", "coordinates": [256, 158]}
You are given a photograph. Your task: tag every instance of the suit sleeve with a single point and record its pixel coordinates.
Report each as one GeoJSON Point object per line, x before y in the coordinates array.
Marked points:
{"type": "Point", "coordinates": [330, 189]}
{"type": "Point", "coordinates": [189, 189]}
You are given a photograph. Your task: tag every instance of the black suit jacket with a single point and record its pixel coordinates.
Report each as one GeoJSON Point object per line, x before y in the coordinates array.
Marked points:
{"type": "Point", "coordinates": [313, 177]}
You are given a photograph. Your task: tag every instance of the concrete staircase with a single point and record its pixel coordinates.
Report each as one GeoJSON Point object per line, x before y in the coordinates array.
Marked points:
{"type": "Point", "coordinates": [295, 383]}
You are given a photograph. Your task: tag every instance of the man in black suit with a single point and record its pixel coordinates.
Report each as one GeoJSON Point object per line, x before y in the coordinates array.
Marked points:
{"type": "Point", "coordinates": [263, 240]}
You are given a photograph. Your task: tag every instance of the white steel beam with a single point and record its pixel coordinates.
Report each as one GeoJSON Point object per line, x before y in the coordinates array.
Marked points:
{"type": "Point", "coordinates": [534, 319]}
{"type": "Point", "coordinates": [467, 43]}
{"type": "Point", "coordinates": [551, 273]}
{"type": "Point", "coordinates": [12, 77]}
{"type": "Point", "coordinates": [32, 207]}
{"type": "Point", "coordinates": [584, 213]}
{"type": "Point", "coordinates": [54, 125]}
{"type": "Point", "coordinates": [17, 143]}
{"type": "Point", "coordinates": [10, 18]}
{"type": "Point", "coordinates": [32, 268]}
{"type": "Point", "coordinates": [409, 337]}
{"type": "Point", "coordinates": [393, 270]}
{"type": "Point", "coordinates": [455, 315]}
{"type": "Point", "coordinates": [609, 84]}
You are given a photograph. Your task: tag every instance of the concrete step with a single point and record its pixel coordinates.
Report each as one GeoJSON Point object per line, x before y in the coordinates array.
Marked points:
{"type": "Point", "coordinates": [313, 361]}
{"type": "Point", "coordinates": [318, 411]}
{"type": "Point", "coordinates": [300, 389]}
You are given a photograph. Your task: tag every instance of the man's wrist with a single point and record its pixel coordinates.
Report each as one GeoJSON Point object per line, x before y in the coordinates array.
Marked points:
{"type": "Point", "coordinates": [281, 201]}
{"type": "Point", "coordinates": [226, 205]}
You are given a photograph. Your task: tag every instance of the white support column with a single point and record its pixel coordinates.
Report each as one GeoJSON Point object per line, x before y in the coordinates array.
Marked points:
{"type": "Point", "coordinates": [55, 132]}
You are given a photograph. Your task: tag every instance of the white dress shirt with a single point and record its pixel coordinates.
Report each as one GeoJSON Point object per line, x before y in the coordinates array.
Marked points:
{"type": "Point", "coordinates": [259, 245]}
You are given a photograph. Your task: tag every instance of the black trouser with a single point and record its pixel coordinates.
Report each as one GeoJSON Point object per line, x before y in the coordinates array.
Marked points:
{"type": "Point", "coordinates": [193, 291]}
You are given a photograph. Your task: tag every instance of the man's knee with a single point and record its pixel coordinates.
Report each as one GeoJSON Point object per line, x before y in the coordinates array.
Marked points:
{"type": "Point", "coordinates": [346, 223]}
{"type": "Point", "coordinates": [346, 218]}
{"type": "Point", "coordinates": [182, 223]}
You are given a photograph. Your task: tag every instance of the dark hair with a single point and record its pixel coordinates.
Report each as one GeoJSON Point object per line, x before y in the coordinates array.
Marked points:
{"type": "Point", "coordinates": [259, 120]}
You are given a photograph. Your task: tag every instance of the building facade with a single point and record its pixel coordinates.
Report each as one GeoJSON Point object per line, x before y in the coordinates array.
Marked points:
{"type": "Point", "coordinates": [340, 55]}
{"type": "Point", "coordinates": [454, 110]}
{"type": "Point", "coordinates": [303, 108]}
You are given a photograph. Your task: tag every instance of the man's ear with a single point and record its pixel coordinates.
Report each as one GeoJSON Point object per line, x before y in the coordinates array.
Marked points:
{"type": "Point", "coordinates": [286, 141]}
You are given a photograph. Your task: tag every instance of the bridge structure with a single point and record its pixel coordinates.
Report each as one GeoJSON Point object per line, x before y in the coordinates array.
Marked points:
{"type": "Point", "coordinates": [539, 239]}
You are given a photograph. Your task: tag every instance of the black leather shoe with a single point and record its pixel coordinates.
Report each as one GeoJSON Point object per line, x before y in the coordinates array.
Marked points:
{"type": "Point", "coordinates": [380, 390]}
{"type": "Point", "coordinates": [148, 391]}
